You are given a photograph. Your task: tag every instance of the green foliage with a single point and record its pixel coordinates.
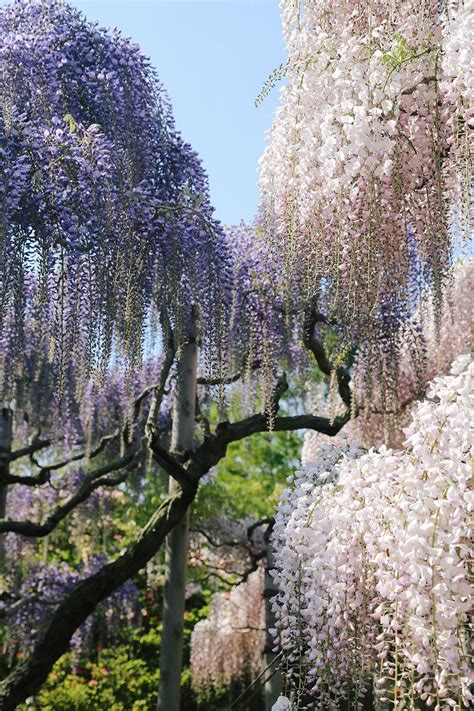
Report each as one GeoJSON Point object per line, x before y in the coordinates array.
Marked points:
{"type": "Point", "coordinates": [69, 119]}
{"type": "Point", "coordinates": [399, 52]}
{"type": "Point", "coordinates": [125, 677]}
{"type": "Point", "coordinates": [250, 479]}
{"type": "Point", "coordinates": [116, 681]}
{"type": "Point", "coordinates": [271, 81]}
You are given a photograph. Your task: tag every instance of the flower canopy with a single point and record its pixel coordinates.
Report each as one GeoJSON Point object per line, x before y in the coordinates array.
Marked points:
{"type": "Point", "coordinates": [105, 221]}
{"type": "Point", "coordinates": [372, 554]}
{"type": "Point", "coordinates": [365, 182]}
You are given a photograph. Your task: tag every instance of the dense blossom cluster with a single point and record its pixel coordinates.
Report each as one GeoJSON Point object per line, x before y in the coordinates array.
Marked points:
{"type": "Point", "coordinates": [105, 221]}
{"type": "Point", "coordinates": [364, 181]}
{"type": "Point", "coordinates": [228, 646]}
{"type": "Point", "coordinates": [224, 548]}
{"type": "Point", "coordinates": [457, 86]}
{"type": "Point", "coordinates": [428, 349]}
{"type": "Point", "coordinates": [28, 610]}
{"type": "Point", "coordinates": [373, 554]}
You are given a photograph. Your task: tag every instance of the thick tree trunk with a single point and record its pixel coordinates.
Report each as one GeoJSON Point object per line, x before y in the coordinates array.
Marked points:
{"type": "Point", "coordinates": [272, 689]}
{"type": "Point", "coordinates": [30, 673]}
{"type": "Point", "coordinates": [171, 651]}
{"type": "Point", "coordinates": [5, 448]}
{"type": "Point", "coordinates": [28, 676]}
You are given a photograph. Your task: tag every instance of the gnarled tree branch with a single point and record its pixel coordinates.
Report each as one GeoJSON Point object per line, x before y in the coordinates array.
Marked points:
{"type": "Point", "coordinates": [314, 344]}
{"type": "Point", "coordinates": [29, 674]}
{"type": "Point", "coordinates": [94, 480]}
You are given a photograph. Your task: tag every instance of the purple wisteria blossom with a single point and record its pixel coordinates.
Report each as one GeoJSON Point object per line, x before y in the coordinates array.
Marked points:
{"type": "Point", "coordinates": [105, 220]}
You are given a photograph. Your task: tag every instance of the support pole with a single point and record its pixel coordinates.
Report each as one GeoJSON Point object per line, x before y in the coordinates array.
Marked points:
{"type": "Point", "coordinates": [171, 651]}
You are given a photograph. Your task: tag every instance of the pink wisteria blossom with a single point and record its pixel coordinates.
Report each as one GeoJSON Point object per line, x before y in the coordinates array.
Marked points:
{"type": "Point", "coordinates": [365, 179]}
{"type": "Point", "coordinates": [228, 646]}
{"type": "Point", "coordinates": [437, 346]}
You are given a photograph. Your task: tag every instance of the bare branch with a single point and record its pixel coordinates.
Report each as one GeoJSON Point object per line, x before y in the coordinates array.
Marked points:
{"type": "Point", "coordinates": [267, 521]}
{"type": "Point", "coordinates": [160, 387]}
{"type": "Point", "coordinates": [214, 574]}
{"type": "Point", "coordinates": [214, 448]}
{"type": "Point", "coordinates": [41, 478]}
{"type": "Point", "coordinates": [30, 449]}
{"type": "Point", "coordinates": [238, 578]}
{"type": "Point", "coordinates": [80, 455]}
{"type": "Point", "coordinates": [229, 379]}
{"type": "Point", "coordinates": [94, 480]}
{"type": "Point", "coordinates": [312, 343]}
{"type": "Point", "coordinates": [213, 542]}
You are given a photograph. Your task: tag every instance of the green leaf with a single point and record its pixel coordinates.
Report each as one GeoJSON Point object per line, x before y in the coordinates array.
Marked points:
{"type": "Point", "coordinates": [69, 119]}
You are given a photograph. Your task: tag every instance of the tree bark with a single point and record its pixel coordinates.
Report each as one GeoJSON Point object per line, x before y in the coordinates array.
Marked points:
{"type": "Point", "coordinates": [28, 675]}
{"type": "Point", "coordinates": [5, 448]}
{"type": "Point", "coordinates": [176, 554]}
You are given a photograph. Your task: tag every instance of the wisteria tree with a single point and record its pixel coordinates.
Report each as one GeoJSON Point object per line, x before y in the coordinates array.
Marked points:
{"type": "Point", "coordinates": [366, 196]}
{"type": "Point", "coordinates": [124, 308]}
{"type": "Point", "coordinates": [373, 554]}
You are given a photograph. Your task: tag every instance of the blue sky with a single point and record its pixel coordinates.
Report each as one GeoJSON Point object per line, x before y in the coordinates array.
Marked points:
{"type": "Point", "coordinates": [213, 56]}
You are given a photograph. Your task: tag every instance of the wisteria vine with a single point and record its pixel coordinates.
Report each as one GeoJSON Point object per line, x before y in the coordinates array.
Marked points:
{"type": "Point", "coordinates": [105, 220]}
{"type": "Point", "coordinates": [373, 553]}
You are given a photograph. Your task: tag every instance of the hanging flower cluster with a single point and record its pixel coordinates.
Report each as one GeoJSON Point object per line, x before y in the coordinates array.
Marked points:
{"type": "Point", "coordinates": [372, 554]}
{"type": "Point", "coordinates": [366, 176]}
{"type": "Point", "coordinates": [228, 646]}
{"type": "Point", "coordinates": [43, 587]}
{"type": "Point", "coordinates": [427, 350]}
{"type": "Point", "coordinates": [260, 331]}
{"type": "Point", "coordinates": [457, 86]}
{"type": "Point", "coordinates": [105, 220]}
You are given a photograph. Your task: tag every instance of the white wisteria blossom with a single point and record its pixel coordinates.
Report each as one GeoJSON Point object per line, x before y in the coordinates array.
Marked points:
{"type": "Point", "coordinates": [282, 704]}
{"type": "Point", "coordinates": [228, 645]}
{"type": "Point", "coordinates": [366, 181]}
{"type": "Point", "coordinates": [373, 553]}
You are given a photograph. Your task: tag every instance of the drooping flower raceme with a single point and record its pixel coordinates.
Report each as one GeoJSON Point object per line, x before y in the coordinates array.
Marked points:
{"type": "Point", "coordinates": [365, 179]}
{"type": "Point", "coordinates": [105, 221]}
{"type": "Point", "coordinates": [427, 350]}
{"type": "Point", "coordinates": [228, 646]}
{"type": "Point", "coordinates": [261, 333]}
{"type": "Point", "coordinates": [373, 554]}
{"type": "Point", "coordinates": [457, 86]}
